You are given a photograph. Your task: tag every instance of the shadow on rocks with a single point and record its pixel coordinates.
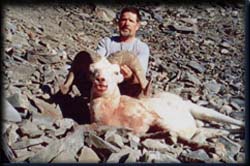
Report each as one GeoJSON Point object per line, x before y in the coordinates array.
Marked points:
{"type": "Point", "coordinates": [75, 108]}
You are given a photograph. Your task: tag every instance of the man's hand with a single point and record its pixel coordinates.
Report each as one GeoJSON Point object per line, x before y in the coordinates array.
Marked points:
{"type": "Point", "coordinates": [126, 72]}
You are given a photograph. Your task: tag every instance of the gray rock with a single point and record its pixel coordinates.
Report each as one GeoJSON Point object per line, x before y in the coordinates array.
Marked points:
{"type": "Point", "coordinates": [195, 156]}
{"type": "Point", "coordinates": [22, 155]}
{"type": "Point", "coordinates": [21, 72]}
{"type": "Point", "coordinates": [87, 155]}
{"type": "Point", "coordinates": [230, 149]}
{"type": "Point", "coordinates": [36, 148]}
{"type": "Point", "coordinates": [158, 17]}
{"type": "Point", "coordinates": [73, 142]}
{"type": "Point", "coordinates": [225, 44]}
{"type": "Point", "coordinates": [126, 154]}
{"type": "Point", "coordinates": [212, 86]}
{"type": "Point", "coordinates": [48, 153]}
{"type": "Point", "coordinates": [238, 115]}
{"type": "Point", "coordinates": [183, 29]}
{"type": "Point", "coordinates": [12, 134]}
{"type": "Point", "coordinates": [105, 14]}
{"type": "Point", "coordinates": [64, 157]}
{"type": "Point", "coordinates": [134, 141]}
{"type": "Point", "coordinates": [25, 143]}
{"type": "Point", "coordinates": [99, 143]}
{"type": "Point", "coordinates": [19, 101]}
{"type": "Point", "coordinates": [145, 15]}
{"type": "Point", "coordinates": [114, 139]}
{"type": "Point", "coordinates": [224, 51]}
{"type": "Point", "coordinates": [46, 109]}
{"type": "Point", "coordinates": [158, 157]}
{"type": "Point", "coordinates": [12, 90]}
{"type": "Point", "coordinates": [44, 121]}
{"type": "Point", "coordinates": [157, 145]}
{"type": "Point", "coordinates": [10, 113]}
{"type": "Point", "coordinates": [49, 59]}
{"type": "Point", "coordinates": [30, 129]}
{"type": "Point", "coordinates": [64, 123]}
{"type": "Point", "coordinates": [241, 158]}
{"type": "Point", "coordinates": [191, 78]}
{"type": "Point", "coordinates": [49, 77]}
{"type": "Point", "coordinates": [226, 109]}
{"type": "Point", "coordinates": [19, 40]}
{"type": "Point", "coordinates": [239, 101]}
{"type": "Point", "coordinates": [197, 67]}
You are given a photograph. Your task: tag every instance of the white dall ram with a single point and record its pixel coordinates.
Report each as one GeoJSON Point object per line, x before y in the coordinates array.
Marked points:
{"type": "Point", "coordinates": [166, 111]}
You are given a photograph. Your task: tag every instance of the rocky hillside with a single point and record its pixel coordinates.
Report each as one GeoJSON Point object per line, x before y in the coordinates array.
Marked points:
{"type": "Point", "coordinates": [197, 52]}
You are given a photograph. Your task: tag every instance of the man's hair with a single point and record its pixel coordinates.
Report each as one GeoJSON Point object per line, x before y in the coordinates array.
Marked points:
{"type": "Point", "coordinates": [132, 10]}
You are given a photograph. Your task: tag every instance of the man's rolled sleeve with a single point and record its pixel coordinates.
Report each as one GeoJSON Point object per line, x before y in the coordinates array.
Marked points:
{"type": "Point", "coordinates": [101, 47]}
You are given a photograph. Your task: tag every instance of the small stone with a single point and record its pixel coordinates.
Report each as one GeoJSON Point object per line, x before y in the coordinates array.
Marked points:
{"type": "Point", "coordinates": [134, 141]}
{"type": "Point", "coordinates": [183, 29]}
{"type": "Point", "coordinates": [196, 66]}
{"type": "Point", "coordinates": [48, 153]}
{"type": "Point", "coordinates": [220, 149]}
{"type": "Point", "coordinates": [191, 78]}
{"type": "Point", "coordinates": [25, 143]}
{"type": "Point", "coordinates": [226, 109]}
{"type": "Point", "coordinates": [88, 156]}
{"type": "Point", "coordinates": [158, 17]}
{"type": "Point", "coordinates": [158, 157]}
{"type": "Point", "coordinates": [23, 154]}
{"type": "Point", "coordinates": [116, 140]}
{"type": "Point", "coordinates": [125, 155]}
{"type": "Point", "coordinates": [240, 158]}
{"type": "Point", "coordinates": [231, 148]}
{"type": "Point", "coordinates": [195, 156]}
{"type": "Point", "coordinates": [157, 145]}
{"type": "Point", "coordinates": [12, 134]}
{"type": "Point", "coordinates": [238, 101]}
{"type": "Point", "coordinates": [73, 142]}
{"type": "Point", "coordinates": [212, 86]}
{"type": "Point", "coordinates": [19, 101]}
{"type": "Point", "coordinates": [235, 13]}
{"type": "Point", "coordinates": [224, 51]}
{"type": "Point", "coordinates": [225, 44]}
{"type": "Point", "coordinates": [65, 157]}
{"type": "Point", "coordinates": [238, 115]}
{"type": "Point", "coordinates": [10, 113]}
{"type": "Point", "coordinates": [30, 129]}
{"type": "Point", "coordinates": [99, 143]}
{"type": "Point", "coordinates": [64, 123]}
{"type": "Point", "coordinates": [105, 14]}
{"type": "Point", "coordinates": [46, 109]}
{"type": "Point", "coordinates": [21, 72]}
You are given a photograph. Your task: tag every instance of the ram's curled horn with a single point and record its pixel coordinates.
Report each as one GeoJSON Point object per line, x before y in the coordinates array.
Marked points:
{"type": "Point", "coordinates": [95, 57]}
{"type": "Point", "coordinates": [129, 59]}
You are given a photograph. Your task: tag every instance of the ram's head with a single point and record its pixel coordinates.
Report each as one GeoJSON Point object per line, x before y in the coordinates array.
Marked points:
{"type": "Point", "coordinates": [105, 77]}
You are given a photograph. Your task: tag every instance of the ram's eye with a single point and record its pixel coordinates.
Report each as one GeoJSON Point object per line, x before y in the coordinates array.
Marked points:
{"type": "Point", "coordinates": [116, 73]}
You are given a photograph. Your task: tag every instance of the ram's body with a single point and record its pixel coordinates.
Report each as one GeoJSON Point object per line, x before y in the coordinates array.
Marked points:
{"type": "Point", "coordinates": [165, 111]}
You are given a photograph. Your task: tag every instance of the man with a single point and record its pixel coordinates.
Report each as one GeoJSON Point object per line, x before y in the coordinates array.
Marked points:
{"type": "Point", "coordinates": [129, 24]}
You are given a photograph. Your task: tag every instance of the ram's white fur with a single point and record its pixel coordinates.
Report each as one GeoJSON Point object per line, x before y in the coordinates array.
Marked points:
{"type": "Point", "coordinates": [165, 111]}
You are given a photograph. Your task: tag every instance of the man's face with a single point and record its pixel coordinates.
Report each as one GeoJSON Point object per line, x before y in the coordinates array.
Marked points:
{"type": "Point", "coordinates": [128, 24]}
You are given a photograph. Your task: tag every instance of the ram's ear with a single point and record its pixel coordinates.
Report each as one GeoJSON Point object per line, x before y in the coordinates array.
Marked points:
{"type": "Point", "coordinates": [91, 68]}
{"type": "Point", "coordinates": [120, 78]}
{"type": "Point", "coordinates": [117, 72]}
